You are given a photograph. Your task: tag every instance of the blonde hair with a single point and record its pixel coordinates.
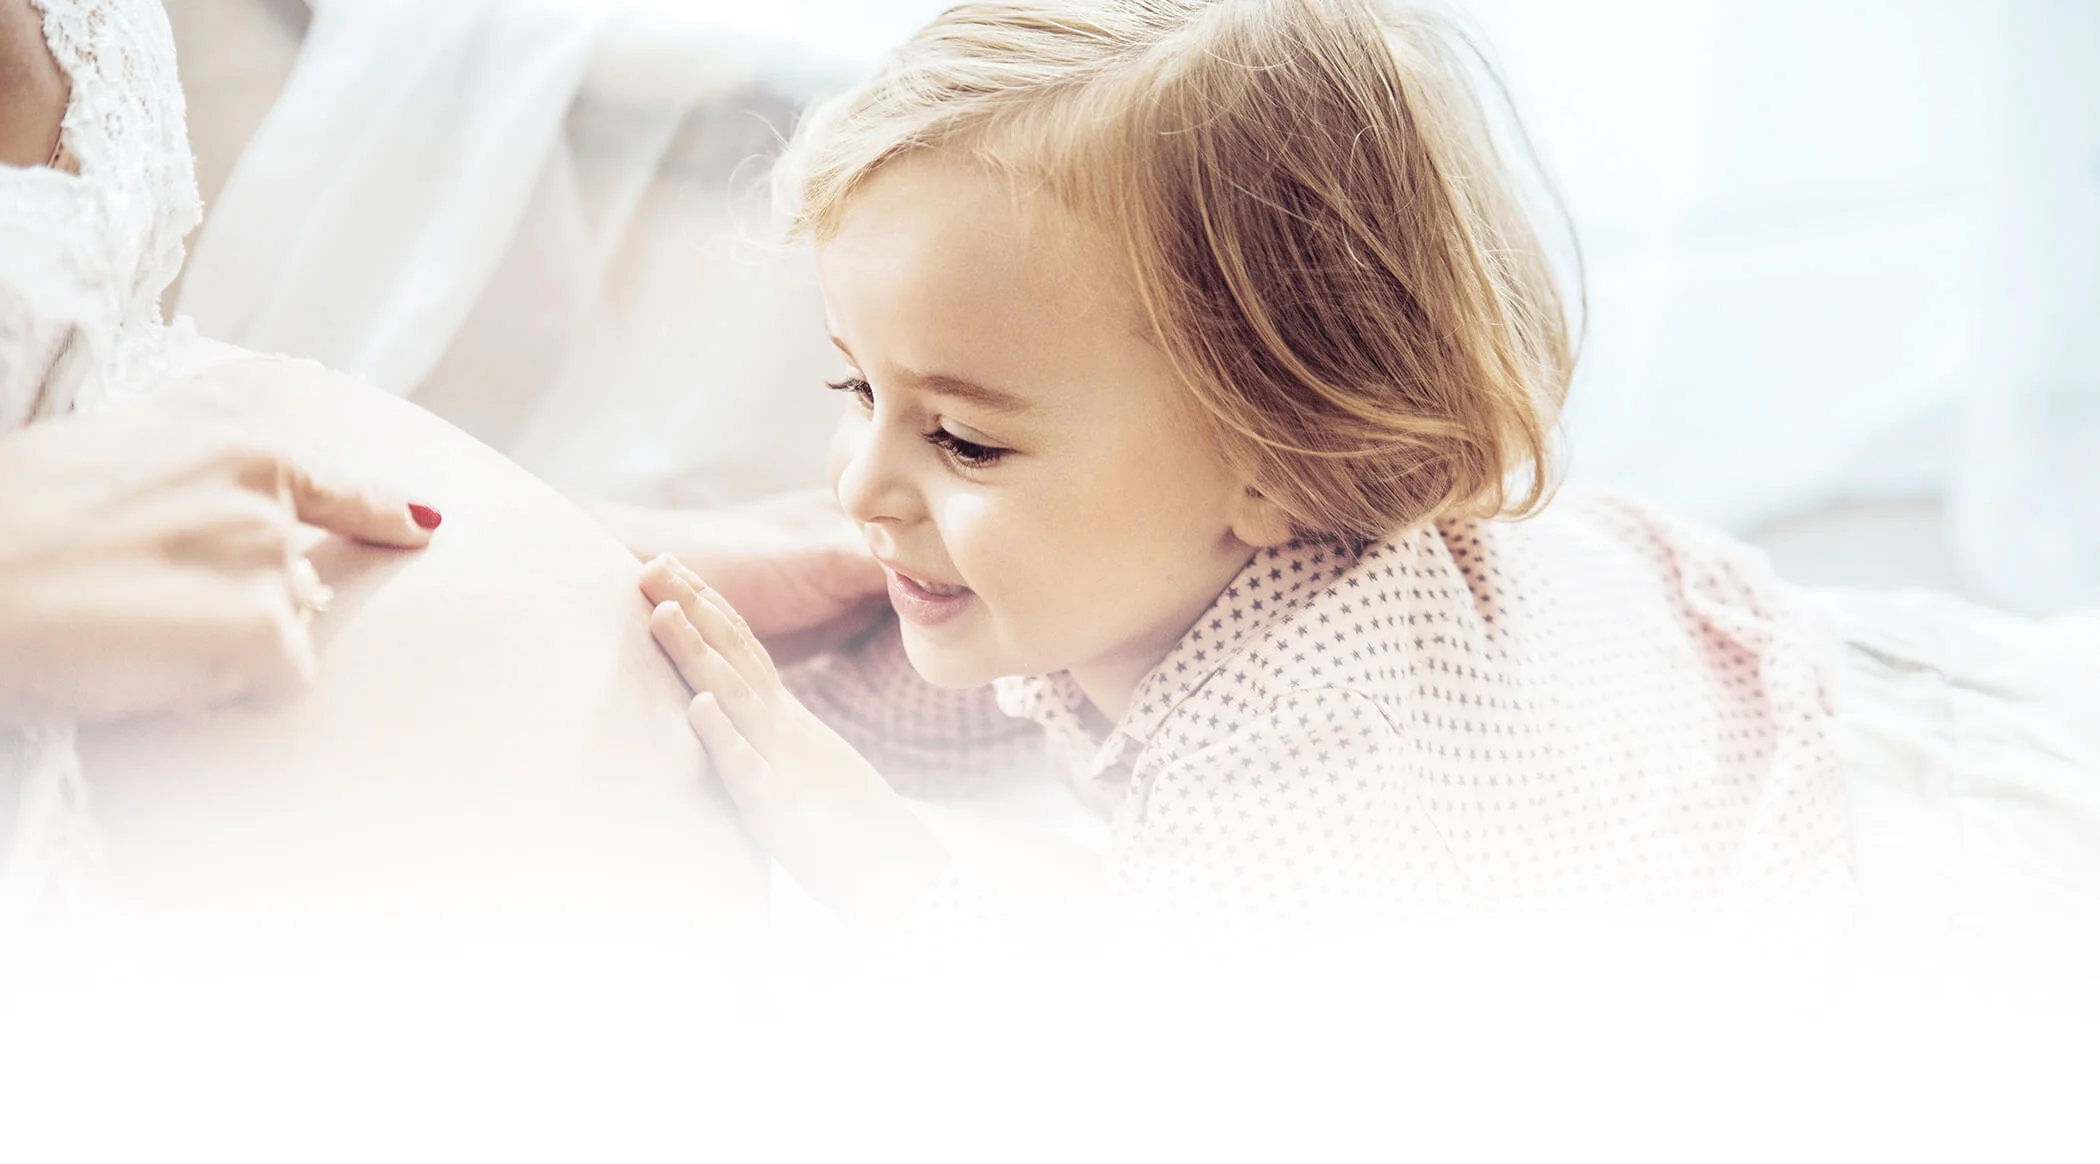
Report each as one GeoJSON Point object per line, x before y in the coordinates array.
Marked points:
{"type": "Point", "coordinates": [1318, 225]}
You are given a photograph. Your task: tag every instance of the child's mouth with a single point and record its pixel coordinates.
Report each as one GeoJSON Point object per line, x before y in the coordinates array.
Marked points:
{"type": "Point", "coordinates": [927, 603]}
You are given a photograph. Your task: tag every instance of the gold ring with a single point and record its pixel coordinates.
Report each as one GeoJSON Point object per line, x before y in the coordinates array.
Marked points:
{"type": "Point", "coordinates": [310, 595]}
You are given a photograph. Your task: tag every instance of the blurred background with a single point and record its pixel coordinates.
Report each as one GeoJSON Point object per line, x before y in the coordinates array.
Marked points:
{"type": "Point", "coordinates": [1843, 256]}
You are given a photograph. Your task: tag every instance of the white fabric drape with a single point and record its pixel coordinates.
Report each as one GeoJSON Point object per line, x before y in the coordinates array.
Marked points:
{"type": "Point", "coordinates": [537, 219]}
{"type": "Point", "coordinates": [1836, 251]}
{"type": "Point", "coordinates": [413, 132]}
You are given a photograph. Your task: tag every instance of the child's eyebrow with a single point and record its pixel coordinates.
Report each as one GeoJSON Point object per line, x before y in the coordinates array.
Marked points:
{"type": "Point", "coordinates": [942, 384]}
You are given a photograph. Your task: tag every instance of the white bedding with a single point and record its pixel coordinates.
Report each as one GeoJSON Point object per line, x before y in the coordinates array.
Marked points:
{"type": "Point", "coordinates": [1973, 746]}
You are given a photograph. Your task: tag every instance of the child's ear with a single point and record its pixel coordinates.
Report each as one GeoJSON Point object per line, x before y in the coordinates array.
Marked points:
{"type": "Point", "coordinates": [1258, 521]}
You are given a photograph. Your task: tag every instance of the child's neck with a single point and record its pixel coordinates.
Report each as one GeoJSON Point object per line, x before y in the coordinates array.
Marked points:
{"type": "Point", "coordinates": [1111, 682]}
{"type": "Point", "coordinates": [1110, 687]}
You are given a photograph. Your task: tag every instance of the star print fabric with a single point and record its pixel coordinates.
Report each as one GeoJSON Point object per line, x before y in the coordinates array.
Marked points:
{"type": "Point", "coordinates": [1601, 706]}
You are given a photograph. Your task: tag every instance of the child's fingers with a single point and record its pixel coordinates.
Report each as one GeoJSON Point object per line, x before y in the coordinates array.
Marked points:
{"type": "Point", "coordinates": [694, 580]}
{"type": "Point", "coordinates": [705, 670]}
{"type": "Point", "coordinates": [666, 580]}
{"type": "Point", "coordinates": [744, 772]}
{"type": "Point", "coordinates": [732, 621]}
{"type": "Point", "coordinates": [725, 631]}
{"type": "Point", "coordinates": [658, 581]}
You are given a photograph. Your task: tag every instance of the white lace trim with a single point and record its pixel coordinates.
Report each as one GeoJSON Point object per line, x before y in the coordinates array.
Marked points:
{"type": "Point", "coordinates": [87, 255]}
{"type": "Point", "coordinates": [56, 844]}
{"type": "Point", "coordinates": [84, 258]}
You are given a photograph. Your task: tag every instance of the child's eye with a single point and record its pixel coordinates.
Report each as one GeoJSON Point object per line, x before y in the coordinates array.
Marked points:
{"type": "Point", "coordinates": [860, 389]}
{"type": "Point", "coordinates": [968, 454]}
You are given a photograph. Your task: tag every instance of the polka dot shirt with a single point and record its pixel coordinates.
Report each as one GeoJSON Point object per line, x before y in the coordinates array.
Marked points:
{"type": "Point", "coordinates": [1599, 706]}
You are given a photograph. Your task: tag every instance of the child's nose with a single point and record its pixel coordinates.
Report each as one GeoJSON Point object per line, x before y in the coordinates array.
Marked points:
{"type": "Point", "coordinates": [868, 476]}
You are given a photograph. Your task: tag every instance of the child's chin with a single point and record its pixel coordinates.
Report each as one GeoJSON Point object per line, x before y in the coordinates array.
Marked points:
{"type": "Point", "coordinates": [945, 666]}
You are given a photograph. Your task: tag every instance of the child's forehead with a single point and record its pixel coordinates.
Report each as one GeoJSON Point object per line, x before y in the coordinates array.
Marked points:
{"type": "Point", "coordinates": [940, 269]}
{"type": "Point", "coordinates": [940, 224]}
{"type": "Point", "coordinates": [985, 208]}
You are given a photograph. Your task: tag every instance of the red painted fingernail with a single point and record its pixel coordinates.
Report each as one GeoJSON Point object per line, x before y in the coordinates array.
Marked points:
{"type": "Point", "coordinates": [425, 516]}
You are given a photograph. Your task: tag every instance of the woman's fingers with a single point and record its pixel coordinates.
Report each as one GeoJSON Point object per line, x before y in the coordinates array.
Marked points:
{"type": "Point", "coordinates": [281, 661]}
{"type": "Point", "coordinates": [243, 532]}
{"type": "Point", "coordinates": [365, 514]}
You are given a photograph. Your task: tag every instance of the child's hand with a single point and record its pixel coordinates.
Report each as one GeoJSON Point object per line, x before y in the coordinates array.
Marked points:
{"type": "Point", "coordinates": [807, 797]}
{"type": "Point", "coordinates": [795, 567]}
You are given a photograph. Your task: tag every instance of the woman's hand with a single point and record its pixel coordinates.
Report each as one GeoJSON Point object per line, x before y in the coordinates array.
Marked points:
{"type": "Point", "coordinates": [806, 797]}
{"type": "Point", "coordinates": [148, 560]}
{"type": "Point", "coordinates": [794, 565]}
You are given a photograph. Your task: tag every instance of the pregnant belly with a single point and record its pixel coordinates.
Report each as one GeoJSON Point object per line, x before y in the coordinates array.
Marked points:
{"type": "Point", "coordinates": [494, 746]}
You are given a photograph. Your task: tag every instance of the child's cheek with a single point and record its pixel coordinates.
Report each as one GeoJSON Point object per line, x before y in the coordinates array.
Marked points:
{"type": "Point", "coordinates": [987, 548]}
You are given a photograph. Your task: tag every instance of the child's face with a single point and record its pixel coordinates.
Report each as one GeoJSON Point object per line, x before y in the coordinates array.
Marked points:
{"type": "Point", "coordinates": [1020, 457]}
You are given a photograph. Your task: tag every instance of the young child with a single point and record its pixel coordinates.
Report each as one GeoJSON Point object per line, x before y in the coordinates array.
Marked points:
{"type": "Point", "coordinates": [1202, 356]}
